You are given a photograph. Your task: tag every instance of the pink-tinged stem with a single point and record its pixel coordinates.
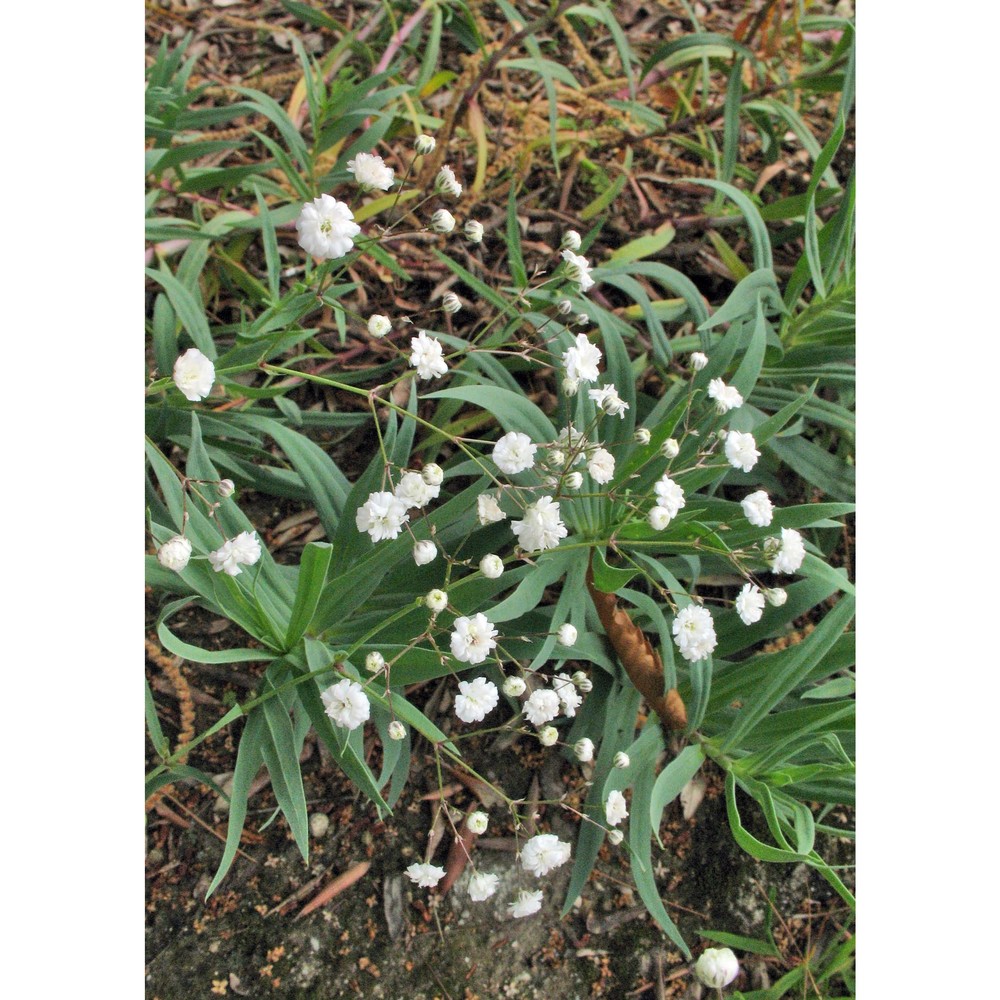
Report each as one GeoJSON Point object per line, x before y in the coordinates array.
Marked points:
{"type": "Point", "coordinates": [396, 42]}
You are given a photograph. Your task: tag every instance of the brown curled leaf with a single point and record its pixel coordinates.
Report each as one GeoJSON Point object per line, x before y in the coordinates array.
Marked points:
{"type": "Point", "coordinates": [642, 663]}
{"type": "Point", "coordinates": [337, 886]}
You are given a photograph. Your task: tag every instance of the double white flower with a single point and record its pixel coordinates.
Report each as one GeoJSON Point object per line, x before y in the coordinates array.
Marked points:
{"type": "Point", "coordinates": [194, 374]}
{"type": "Point", "coordinates": [427, 356]}
{"type": "Point", "coordinates": [382, 516]}
{"type": "Point", "coordinates": [514, 453]}
{"type": "Point", "coordinates": [326, 228]}
{"type": "Point", "coordinates": [694, 632]}
{"type": "Point", "coordinates": [347, 704]}
{"type": "Point", "coordinates": [541, 528]}
{"type": "Point", "coordinates": [476, 699]}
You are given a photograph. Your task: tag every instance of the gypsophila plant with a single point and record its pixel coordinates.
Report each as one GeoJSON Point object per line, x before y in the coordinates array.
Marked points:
{"type": "Point", "coordinates": [555, 565]}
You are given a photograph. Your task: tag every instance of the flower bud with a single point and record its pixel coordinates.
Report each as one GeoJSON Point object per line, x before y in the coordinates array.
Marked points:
{"type": "Point", "coordinates": [226, 488]}
{"type": "Point", "coordinates": [175, 553]}
{"type": "Point", "coordinates": [567, 634]}
{"type": "Point", "coordinates": [670, 448]}
{"type": "Point", "coordinates": [447, 183]}
{"type": "Point", "coordinates": [615, 837]}
{"type": "Point", "coordinates": [659, 518]}
{"type": "Point", "coordinates": [642, 435]}
{"type": "Point", "coordinates": [565, 307]}
{"type": "Point", "coordinates": [584, 749]}
{"type": "Point", "coordinates": [557, 457]}
{"type": "Point", "coordinates": [397, 731]}
{"type": "Point", "coordinates": [574, 481]}
{"type": "Point", "coordinates": [717, 967]}
{"type": "Point", "coordinates": [491, 566]}
{"type": "Point", "coordinates": [374, 662]}
{"type": "Point", "coordinates": [548, 736]}
{"type": "Point", "coordinates": [424, 552]}
{"type": "Point", "coordinates": [514, 687]}
{"type": "Point", "coordinates": [582, 319]}
{"type": "Point", "coordinates": [698, 360]}
{"type": "Point", "coordinates": [570, 241]}
{"type": "Point", "coordinates": [570, 386]}
{"type": "Point", "coordinates": [424, 144]}
{"type": "Point", "coordinates": [451, 303]}
{"type": "Point", "coordinates": [432, 474]}
{"type": "Point", "coordinates": [473, 231]}
{"type": "Point", "coordinates": [477, 822]}
{"type": "Point", "coordinates": [436, 600]}
{"type": "Point", "coordinates": [776, 596]}
{"type": "Point", "coordinates": [442, 221]}
{"type": "Point", "coordinates": [622, 760]}
{"type": "Point", "coordinates": [378, 325]}
{"type": "Point", "coordinates": [582, 682]}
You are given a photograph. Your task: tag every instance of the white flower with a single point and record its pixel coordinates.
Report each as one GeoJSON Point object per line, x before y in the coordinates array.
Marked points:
{"type": "Point", "coordinates": [750, 604]}
{"type": "Point", "coordinates": [442, 221]}
{"type": "Point", "coordinates": [584, 749]}
{"type": "Point", "coordinates": [607, 398]}
{"type": "Point", "coordinates": [397, 731]}
{"type": "Point", "coordinates": [741, 450]}
{"type": "Point", "coordinates": [541, 528]}
{"type": "Point", "coordinates": [174, 553]}
{"type": "Point", "coordinates": [436, 600]}
{"type": "Point", "coordinates": [246, 548]}
{"type": "Point", "coordinates": [226, 488]}
{"type": "Point", "coordinates": [447, 183]}
{"type": "Point", "coordinates": [472, 640]}
{"type": "Point", "coordinates": [424, 552]}
{"type": "Point", "coordinates": [346, 704]}
{"type": "Point", "coordinates": [412, 490]}
{"type": "Point", "coordinates": [726, 397]}
{"type": "Point", "coordinates": [573, 481]}
{"type": "Point", "coordinates": [482, 885]}
{"type": "Point", "coordinates": [544, 853]}
{"type": "Point", "coordinates": [582, 360]}
{"type": "Point", "coordinates": [473, 231]}
{"type": "Point", "coordinates": [194, 374]}
{"type": "Point", "coordinates": [477, 822]}
{"type": "Point", "coordinates": [426, 876]}
{"type": "Point", "coordinates": [615, 837]}
{"type": "Point", "coordinates": [758, 509]}
{"type": "Point", "coordinates": [578, 270]}
{"type": "Point", "coordinates": [622, 760]}
{"type": "Point", "coordinates": [659, 518]}
{"type": "Point", "coordinates": [224, 560]}
{"type": "Point", "coordinates": [374, 662]}
{"type": "Point", "coordinates": [326, 228]}
{"type": "Point", "coordinates": [669, 495]}
{"type": "Point", "coordinates": [514, 453]}
{"type": "Point", "coordinates": [433, 475]}
{"type": "Point", "coordinates": [601, 466]}
{"type": "Point", "coordinates": [526, 903]}
{"type": "Point", "coordinates": [698, 360]}
{"type": "Point", "coordinates": [476, 699]}
{"type": "Point", "coordinates": [569, 698]}
{"type": "Point", "coordinates": [787, 553]}
{"type": "Point", "coordinates": [424, 144]}
{"type": "Point", "coordinates": [451, 303]}
{"type": "Point", "coordinates": [488, 510]}
{"type": "Point", "coordinates": [776, 596]}
{"type": "Point", "coordinates": [694, 632]}
{"type": "Point", "coordinates": [371, 172]}
{"type": "Point", "coordinates": [570, 241]}
{"type": "Point", "coordinates": [542, 706]}
{"type": "Point", "coordinates": [567, 634]}
{"type": "Point", "coordinates": [582, 681]}
{"type": "Point", "coordinates": [670, 449]}
{"type": "Point", "coordinates": [615, 809]}
{"type": "Point", "coordinates": [382, 516]}
{"type": "Point", "coordinates": [642, 435]}
{"type": "Point", "coordinates": [427, 356]}
{"type": "Point", "coordinates": [491, 566]}
{"type": "Point", "coordinates": [379, 325]}
{"type": "Point", "coordinates": [514, 687]}
{"type": "Point", "coordinates": [717, 967]}
{"type": "Point", "coordinates": [548, 736]}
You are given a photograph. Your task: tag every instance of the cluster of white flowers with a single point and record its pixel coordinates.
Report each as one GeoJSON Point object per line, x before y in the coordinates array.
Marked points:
{"type": "Point", "coordinates": [382, 516]}
{"type": "Point", "coordinates": [370, 172]}
{"type": "Point", "coordinates": [413, 490]}
{"type": "Point", "coordinates": [243, 550]}
{"type": "Point", "coordinates": [347, 704]}
{"type": "Point", "coordinates": [541, 528]}
{"type": "Point", "coordinates": [514, 453]}
{"type": "Point", "coordinates": [694, 632]}
{"type": "Point", "coordinates": [473, 639]}
{"type": "Point", "coordinates": [194, 374]}
{"type": "Point", "coordinates": [785, 553]}
{"type": "Point", "coordinates": [475, 698]}
{"type": "Point", "coordinates": [427, 356]}
{"type": "Point", "coordinates": [326, 228]}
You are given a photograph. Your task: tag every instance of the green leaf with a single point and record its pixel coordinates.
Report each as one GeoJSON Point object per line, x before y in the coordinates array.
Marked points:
{"type": "Point", "coordinates": [312, 575]}
{"type": "Point", "coordinates": [156, 736]}
{"type": "Point", "coordinates": [670, 781]}
{"type": "Point", "coordinates": [644, 246]}
{"type": "Point", "coordinates": [758, 230]}
{"type": "Point", "coordinates": [189, 312]}
{"type": "Point", "coordinates": [755, 946]}
{"type": "Point", "coordinates": [610, 578]}
{"type": "Point", "coordinates": [514, 411]}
